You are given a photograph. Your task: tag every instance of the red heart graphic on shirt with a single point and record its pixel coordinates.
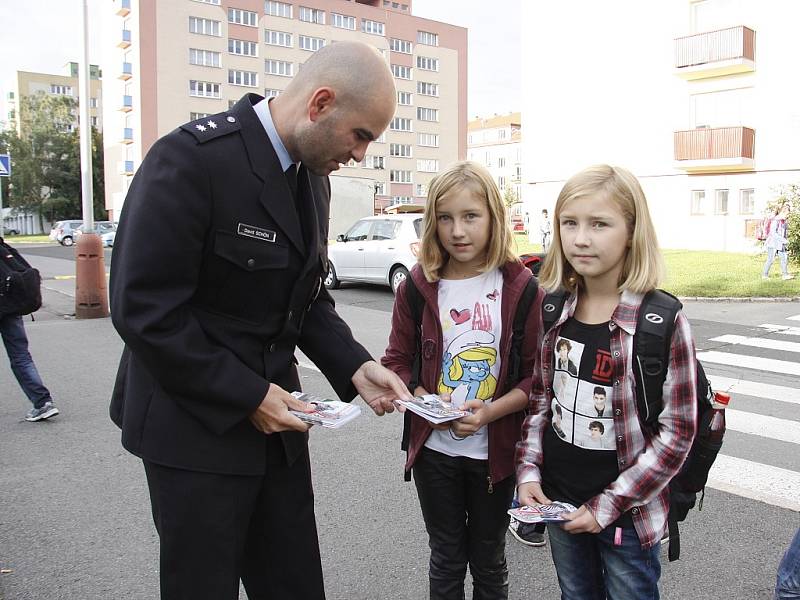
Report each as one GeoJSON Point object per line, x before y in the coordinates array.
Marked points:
{"type": "Point", "coordinates": [493, 295]}
{"type": "Point", "coordinates": [459, 316]}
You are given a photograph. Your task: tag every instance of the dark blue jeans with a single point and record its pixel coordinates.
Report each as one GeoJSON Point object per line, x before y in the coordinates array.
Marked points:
{"type": "Point", "coordinates": [16, 342]}
{"type": "Point", "coordinates": [591, 567]}
{"type": "Point", "coordinates": [788, 585]}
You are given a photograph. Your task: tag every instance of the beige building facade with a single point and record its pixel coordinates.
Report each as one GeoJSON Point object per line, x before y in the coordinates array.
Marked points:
{"type": "Point", "coordinates": [496, 143]}
{"type": "Point", "coordinates": [178, 60]}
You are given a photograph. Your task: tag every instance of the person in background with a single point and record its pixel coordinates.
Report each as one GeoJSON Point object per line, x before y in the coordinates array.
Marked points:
{"type": "Point", "coordinates": [777, 242]}
{"type": "Point", "coordinates": [546, 229]}
{"type": "Point", "coordinates": [787, 586]}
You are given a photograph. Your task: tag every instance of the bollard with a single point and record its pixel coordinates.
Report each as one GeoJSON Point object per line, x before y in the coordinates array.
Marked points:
{"type": "Point", "coordinates": [91, 288]}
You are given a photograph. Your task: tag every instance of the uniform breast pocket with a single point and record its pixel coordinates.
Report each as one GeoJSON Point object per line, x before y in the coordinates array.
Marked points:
{"type": "Point", "coordinates": [250, 273]}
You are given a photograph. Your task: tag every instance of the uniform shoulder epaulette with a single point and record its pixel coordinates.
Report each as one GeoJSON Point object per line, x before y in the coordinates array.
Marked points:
{"type": "Point", "coordinates": [209, 128]}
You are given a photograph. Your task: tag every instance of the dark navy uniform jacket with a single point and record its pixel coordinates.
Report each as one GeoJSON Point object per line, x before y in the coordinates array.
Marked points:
{"type": "Point", "coordinates": [214, 282]}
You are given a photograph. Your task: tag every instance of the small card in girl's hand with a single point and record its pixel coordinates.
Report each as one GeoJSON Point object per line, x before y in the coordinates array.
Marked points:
{"type": "Point", "coordinates": [542, 513]}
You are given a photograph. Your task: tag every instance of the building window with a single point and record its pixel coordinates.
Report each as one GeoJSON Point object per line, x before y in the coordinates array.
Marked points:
{"type": "Point", "coordinates": [400, 176]}
{"type": "Point", "coordinates": [214, 2]}
{"type": "Point", "coordinates": [403, 46]}
{"type": "Point", "coordinates": [277, 38]}
{"type": "Point", "coordinates": [421, 190]}
{"type": "Point", "coordinates": [93, 122]}
{"type": "Point", "coordinates": [430, 140]}
{"type": "Point", "coordinates": [373, 27]}
{"type": "Point", "coordinates": [245, 78]}
{"type": "Point", "coordinates": [428, 165]}
{"type": "Point", "coordinates": [402, 200]}
{"type": "Point", "coordinates": [61, 90]}
{"type": "Point", "coordinates": [501, 183]}
{"type": "Point", "coordinates": [747, 202]}
{"type": "Point", "coordinates": [204, 58]}
{"type": "Point", "coordinates": [374, 162]}
{"type": "Point", "coordinates": [242, 47]}
{"type": "Point", "coordinates": [721, 202]}
{"type": "Point", "coordinates": [404, 98]}
{"type": "Point", "coordinates": [427, 114]}
{"type": "Point", "coordinates": [194, 116]}
{"type": "Point", "coordinates": [343, 21]}
{"type": "Point", "coordinates": [312, 44]}
{"type": "Point", "coordinates": [403, 150]}
{"type": "Point", "coordinates": [427, 63]}
{"type": "Point", "coordinates": [501, 134]}
{"type": "Point", "coordinates": [242, 17]}
{"type": "Point", "coordinates": [501, 162]}
{"type": "Point", "coordinates": [400, 124]}
{"type": "Point", "coordinates": [312, 15]}
{"type": "Point", "coordinates": [203, 89]}
{"type": "Point", "coordinates": [205, 26]}
{"type": "Point", "coordinates": [278, 9]}
{"type": "Point", "coordinates": [93, 103]}
{"type": "Point", "coordinates": [698, 202]}
{"type": "Point", "coordinates": [427, 89]}
{"type": "Point", "coordinates": [401, 72]}
{"type": "Point", "coordinates": [380, 188]}
{"type": "Point", "coordinates": [427, 38]}
{"type": "Point", "coordinates": [279, 67]}
{"type": "Point", "coordinates": [272, 93]}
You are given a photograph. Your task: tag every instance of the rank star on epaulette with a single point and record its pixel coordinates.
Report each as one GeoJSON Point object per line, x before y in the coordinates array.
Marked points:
{"type": "Point", "coordinates": [212, 124]}
{"type": "Point", "coordinates": [200, 127]}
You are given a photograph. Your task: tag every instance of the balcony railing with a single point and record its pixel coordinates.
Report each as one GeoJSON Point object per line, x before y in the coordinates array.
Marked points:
{"type": "Point", "coordinates": [714, 53]}
{"type": "Point", "coordinates": [127, 135]}
{"type": "Point", "coordinates": [127, 104]}
{"type": "Point", "coordinates": [712, 150]}
{"type": "Point", "coordinates": [125, 41]}
{"type": "Point", "coordinates": [125, 167]}
{"type": "Point", "coordinates": [124, 8]}
{"type": "Point", "coordinates": [127, 71]}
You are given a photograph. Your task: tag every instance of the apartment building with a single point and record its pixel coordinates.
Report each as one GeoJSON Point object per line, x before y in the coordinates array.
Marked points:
{"type": "Point", "coordinates": [29, 83]}
{"type": "Point", "coordinates": [179, 60]}
{"type": "Point", "coordinates": [496, 143]}
{"type": "Point", "coordinates": [697, 97]}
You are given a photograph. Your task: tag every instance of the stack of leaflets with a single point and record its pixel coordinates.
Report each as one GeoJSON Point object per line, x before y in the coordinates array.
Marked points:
{"type": "Point", "coordinates": [327, 413]}
{"type": "Point", "coordinates": [542, 513]}
{"type": "Point", "coordinates": [433, 409]}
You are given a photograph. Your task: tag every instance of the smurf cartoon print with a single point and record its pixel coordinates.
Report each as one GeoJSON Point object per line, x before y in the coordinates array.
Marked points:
{"type": "Point", "coordinates": [467, 367]}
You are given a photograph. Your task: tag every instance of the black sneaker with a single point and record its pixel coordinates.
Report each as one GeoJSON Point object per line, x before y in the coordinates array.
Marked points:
{"type": "Point", "coordinates": [45, 412]}
{"type": "Point", "coordinates": [526, 533]}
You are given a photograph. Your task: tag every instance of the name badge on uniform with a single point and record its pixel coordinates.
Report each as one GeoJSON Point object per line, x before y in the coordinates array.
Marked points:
{"type": "Point", "coordinates": [265, 235]}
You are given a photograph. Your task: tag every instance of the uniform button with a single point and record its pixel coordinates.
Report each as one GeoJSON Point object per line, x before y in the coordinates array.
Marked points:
{"type": "Point", "coordinates": [231, 119]}
{"type": "Point", "coordinates": [616, 353]}
{"type": "Point", "coordinates": [619, 438]}
{"type": "Point", "coordinates": [251, 262]}
{"type": "Point", "coordinates": [635, 511]}
{"type": "Point", "coordinates": [272, 347]}
{"type": "Point", "coordinates": [618, 412]}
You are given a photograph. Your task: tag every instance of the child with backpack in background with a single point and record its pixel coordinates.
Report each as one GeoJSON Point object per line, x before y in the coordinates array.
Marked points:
{"type": "Point", "coordinates": [471, 284]}
{"type": "Point", "coordinates": [777, 240]}
{"type": "Point", "coordinates": [605, 255]}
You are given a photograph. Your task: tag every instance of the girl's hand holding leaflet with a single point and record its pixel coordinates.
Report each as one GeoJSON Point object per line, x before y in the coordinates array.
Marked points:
{"type": "Point", "coordinates": [470, 424]}
{"type": "Point", "coordinates": [581, 521]}
{"type": "Point", "coordinates": [440, 426]}
{"type": "Point", "coordinates": [531, 493]}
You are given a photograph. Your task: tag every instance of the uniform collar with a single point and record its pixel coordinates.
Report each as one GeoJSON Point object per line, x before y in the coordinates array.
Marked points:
{"type": "Point", "coordinates": [624, 316]}
{"type": "Point", "coordinates": [265, 116]}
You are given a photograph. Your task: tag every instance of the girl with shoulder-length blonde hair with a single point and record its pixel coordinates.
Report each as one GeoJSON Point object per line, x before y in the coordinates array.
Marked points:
{"type": "Point", "coordinates": [616, 471]}
{"type": "Point", "coordinates": [455, 312]}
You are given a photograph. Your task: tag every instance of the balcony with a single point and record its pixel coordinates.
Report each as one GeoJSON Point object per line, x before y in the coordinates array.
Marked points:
{"type": "Point", "coordinates": [124, 8]}
{"type": "Point", "coordinates": [716, 53]}
{"type": "Point", "coordinates": [127, 104]}
{"type": "Point", "coordinates": [127, 71]}
{"type": "Point", "coordinates": [127, 135]}
{"type": "Point", "coordinates": [125, 41]}
{"type": "Point", "coordinates": [718, 150]}
{"type": "Point", "coordinates": [125, 167]}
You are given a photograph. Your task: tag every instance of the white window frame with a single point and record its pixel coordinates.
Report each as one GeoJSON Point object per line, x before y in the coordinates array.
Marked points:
{"type": "Point", "coordinates": [343, 21]}
{"type": "Point", "coordinates": [428, 140]}
{"type": "Point", "coordinates": [215, 3]}
{"type": "Point", "coordinates": [427, 63]}
{"type": "Point", "coordinates": [205, 58]}
{"type": "Point", "coordinates": [274, 8]}
{"type": "Point", "coordinates": [272, 92]}
{"type": "Point", "coordinates": [427, 38]}
{"type": "Point", "coordinates": [204, 89]}
{"type": "Point", "coordinates": [401, 150]}
{"type": "Point", "coordinates": [203, 26]}
{"type": "Point", "coordinates": [311, 15]}
{"type": "Point", "coordinates": [310, 43]}
{"type": "Point", "coordinates": [373, 27]}
{"type": "Point", "coordinates": [373, 161]}
{"type": "Point", "coordinates": [401, 46]}
{"type": "Point", "coordinates": [698, 201]}
{"type": "Point", "coordinates": [380, 188]}
{"type": "Point", "coordinates": [402, 200]}
{"type": "Point", "coordinates": [242, 78]}
{"type": "Point", "coordinates": [194, 116]}
{"type": "Point", "coordinates": [429, 115]}
{"type": "Point", "coordinates": [427, 165]}
{"type": "Point", "coordinates": [405, 98]}
{"type": "Point", "coordinates": [421, 190]}
{"type": "Point", "coordinates": [749, 207]}
{"type": "Point", "coordinates": [425, 88]}
{"type": "Point", "coordinates": [402, 72]}
{"type": "Point", "coordinates": [239, 16]}
{"type": "Point", "coordinates": [60, 89]}
{"type": "Point", "coordinates": [721, 198]}
{"type": "Point", "coordinates": [284, 68]}
{"type": "Point", "coordinates": [242, 47]}
{"type": "Point", "coordinates": [273, 37]}
{"type": "Point", "coordinates": [401, 176]}
{"type": "Point", "coordinates": [401, 124]}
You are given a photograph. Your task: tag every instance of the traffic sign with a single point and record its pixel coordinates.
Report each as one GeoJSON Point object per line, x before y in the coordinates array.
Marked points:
{"type": "Point", "coordinates": [5, 165]}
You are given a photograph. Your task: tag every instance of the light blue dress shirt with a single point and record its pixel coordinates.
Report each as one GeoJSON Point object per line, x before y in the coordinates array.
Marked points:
{"type": "Point", "coordinates": [265, 116]}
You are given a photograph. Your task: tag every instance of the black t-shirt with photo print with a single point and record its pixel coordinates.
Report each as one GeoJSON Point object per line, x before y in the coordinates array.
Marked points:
{"type": "Point", "coordinates": [579, 446]}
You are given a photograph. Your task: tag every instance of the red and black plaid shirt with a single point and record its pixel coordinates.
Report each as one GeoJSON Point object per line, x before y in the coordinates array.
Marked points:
{"type": "Point", "coordinates": [647, 460]}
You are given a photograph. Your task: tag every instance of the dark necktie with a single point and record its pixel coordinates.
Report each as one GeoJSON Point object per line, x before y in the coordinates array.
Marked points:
{"type": "Point", "coordinates": [291, 179]}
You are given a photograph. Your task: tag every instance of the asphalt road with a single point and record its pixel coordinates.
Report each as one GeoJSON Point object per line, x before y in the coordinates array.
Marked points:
{"type": "Point", "coordinates": [74, 512]}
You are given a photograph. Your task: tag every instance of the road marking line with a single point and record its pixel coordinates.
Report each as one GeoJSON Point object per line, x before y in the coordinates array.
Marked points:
{"type": "Point", "coordinates": [750, 362]}
{"type": "Point", "coordinates": [64, 277]}
{"type": "Point", "coordinates": [794, 318]}
{"type": "Point", "coordinates": [308, 365]}
{"type": "Point", "coordinates": [782, 329]}
{"type": "Point", "coordinates": [783, 430]}
{"type": "Point", "coordinates": [773, 485]}
{"type": "Point", "coordinates": [758, 342]}
{"type": "Point", "coordinates": [754, 388]}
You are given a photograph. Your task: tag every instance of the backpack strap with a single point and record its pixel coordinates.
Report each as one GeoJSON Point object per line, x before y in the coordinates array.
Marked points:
{"type": "Point", "coordinates": [415, 305]}
{"type": "Point", "coordinates": [520, 317]}
{"type": "Point", "coordinates": [651, 347]}
{"type": "Point", "coordinates": [552, 306]}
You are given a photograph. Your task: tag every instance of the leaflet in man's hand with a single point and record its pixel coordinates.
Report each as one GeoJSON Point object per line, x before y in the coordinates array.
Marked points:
{"type": "Point", "coordinates": [327, 413]}
{"type": "Point", "coordinates": [432, 408]}
{"type": "Point", "coordinates": [542, 513]}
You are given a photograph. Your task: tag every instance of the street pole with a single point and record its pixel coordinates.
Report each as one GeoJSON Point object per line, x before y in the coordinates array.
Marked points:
{"type": "Point", "coordinates": [2, 215]}
{"type": "Point", "coordinates": [91, 293]}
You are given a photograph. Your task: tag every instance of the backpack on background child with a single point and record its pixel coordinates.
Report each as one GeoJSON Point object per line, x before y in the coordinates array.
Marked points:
{"type": "Point", "coordinates": [20, 283]}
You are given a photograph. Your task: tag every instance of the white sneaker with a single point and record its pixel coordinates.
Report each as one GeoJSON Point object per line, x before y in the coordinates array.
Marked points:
{"type": "Point", "coordinates": [785, 277]}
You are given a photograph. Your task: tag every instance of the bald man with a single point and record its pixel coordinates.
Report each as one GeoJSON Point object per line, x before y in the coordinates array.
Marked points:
{"type": "Point", "coordinates": [216, 279]}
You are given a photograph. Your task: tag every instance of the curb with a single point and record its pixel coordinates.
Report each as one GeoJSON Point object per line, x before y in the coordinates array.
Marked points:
{"type": "Point", "coordinates": [736, 299]}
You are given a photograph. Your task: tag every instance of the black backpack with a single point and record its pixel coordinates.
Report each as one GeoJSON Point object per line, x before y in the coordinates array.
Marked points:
{"type": "Point", "coordinates": [20, 284]}
{"type": "Point", "coordinates": [416, 303]}
{"type": "Point", "coordinates": [651, 348]}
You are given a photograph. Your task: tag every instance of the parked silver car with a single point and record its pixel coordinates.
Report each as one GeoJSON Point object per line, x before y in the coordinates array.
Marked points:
{"type": "Point", "coordinates": [380, 249]}
{"type": "Point", "coordinates": [64, 232]}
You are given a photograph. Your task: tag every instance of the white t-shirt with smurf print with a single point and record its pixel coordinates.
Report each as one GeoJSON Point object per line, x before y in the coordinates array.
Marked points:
{"type": "Point", "coordinates": [469, 311]}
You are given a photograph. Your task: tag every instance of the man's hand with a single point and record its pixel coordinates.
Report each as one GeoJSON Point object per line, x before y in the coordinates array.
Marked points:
{"type": "Point", "coordinates": [581, 521]}
{"type": "Point", "coordinates": [531, 493]}
{"type": "Point", "coordinates": [273, 415]}
{"type": "Point", "coordinates": [468, 425]}
{"type": "Point", "coordinates": [379, 387]}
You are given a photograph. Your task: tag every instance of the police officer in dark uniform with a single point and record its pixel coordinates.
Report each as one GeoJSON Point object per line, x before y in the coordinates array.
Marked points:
{"type": "Point", "coordinates": [216, 280]}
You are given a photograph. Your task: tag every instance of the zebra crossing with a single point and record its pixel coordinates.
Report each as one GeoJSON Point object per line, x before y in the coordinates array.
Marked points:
{"type": "Point", "coordinates": [759, 371]}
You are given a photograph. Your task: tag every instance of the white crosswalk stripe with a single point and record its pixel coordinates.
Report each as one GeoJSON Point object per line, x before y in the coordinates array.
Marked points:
{"type": "Point", "coordinates": [770, 365]}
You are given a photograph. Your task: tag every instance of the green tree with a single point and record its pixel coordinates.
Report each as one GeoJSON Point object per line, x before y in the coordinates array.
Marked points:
{"type": "Point", "coordinates": [510, 196]}
{"type": "Point", "coordinates": [789, 194]}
